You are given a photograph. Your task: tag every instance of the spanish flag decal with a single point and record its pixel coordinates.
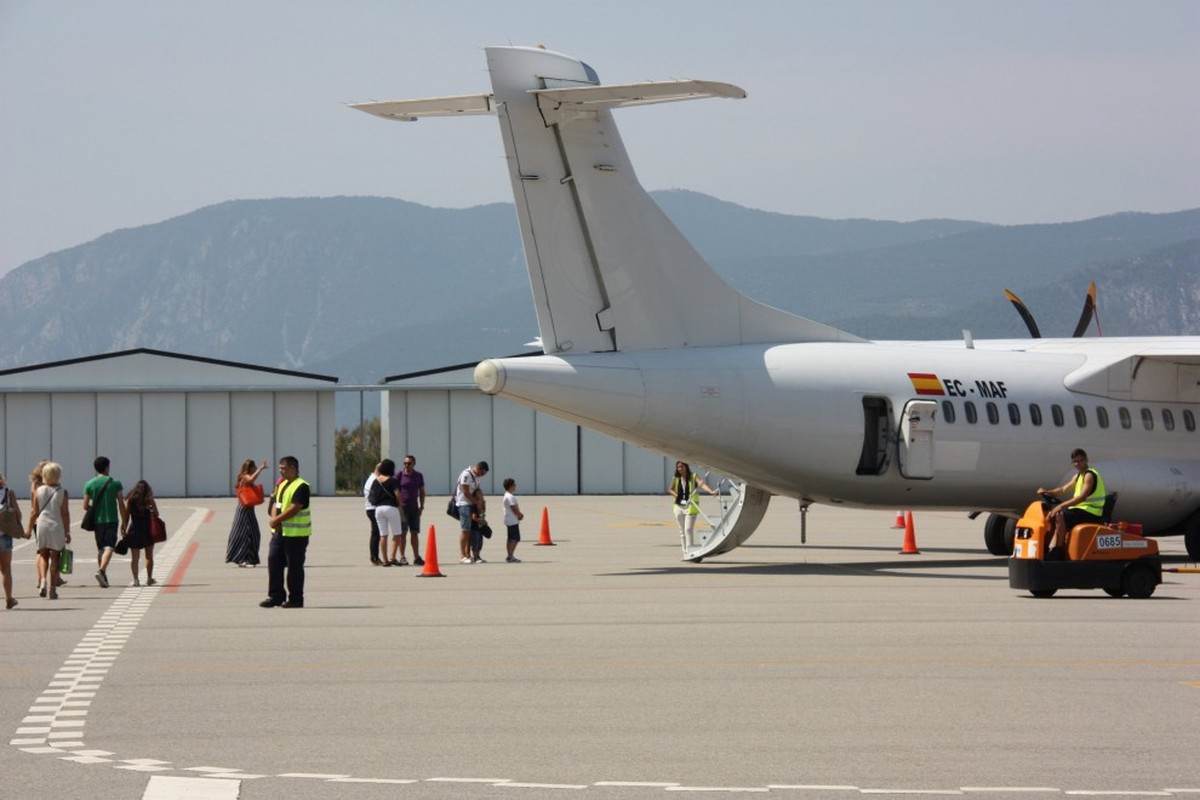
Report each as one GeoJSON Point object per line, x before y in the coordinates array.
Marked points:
{"type": "Point", "coordinates": [926, 383]}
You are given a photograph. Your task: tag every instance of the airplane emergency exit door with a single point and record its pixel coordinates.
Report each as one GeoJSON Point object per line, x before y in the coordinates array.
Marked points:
{"type": "Point", "coordinates": [918, 424]}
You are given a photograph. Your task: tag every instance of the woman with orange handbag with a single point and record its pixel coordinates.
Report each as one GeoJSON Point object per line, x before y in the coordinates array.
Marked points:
{"type": "Point", "coordinates": [244, 535]}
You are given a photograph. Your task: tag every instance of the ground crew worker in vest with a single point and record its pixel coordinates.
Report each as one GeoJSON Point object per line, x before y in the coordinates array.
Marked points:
{"type": "Point", "coordinates": [1085, 503]}
{"type": "Point", "coordinates": [291, 526]}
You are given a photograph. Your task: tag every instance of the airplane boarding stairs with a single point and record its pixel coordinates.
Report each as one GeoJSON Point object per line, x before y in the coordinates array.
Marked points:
{"type": "Point", "coordinates": [741, 508]}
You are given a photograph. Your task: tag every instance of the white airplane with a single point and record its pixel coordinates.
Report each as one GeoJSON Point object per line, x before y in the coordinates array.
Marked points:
{"type": "Point", "coordinates": [643, 341]}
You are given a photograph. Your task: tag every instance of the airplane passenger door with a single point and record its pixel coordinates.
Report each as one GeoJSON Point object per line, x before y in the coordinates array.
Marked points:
{"type": "Point", "coordinates": [917, 426]}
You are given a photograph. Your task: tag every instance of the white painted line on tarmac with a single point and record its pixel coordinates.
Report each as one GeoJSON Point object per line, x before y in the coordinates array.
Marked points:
{"type": "Point", "coordinates": [752, 789]}
{"type": "Point", "coordinates": [376, 780]}
{"type": "Point", "coordinates": [165, 787]}
{"type": "Point", "coordinates": [812, 787]}
{"type": "Point", "coordinates": [61, 710]}
{"type": "Point", "coordinates": [954, 792]}
{"type": "Point", "coordinates": [1014, 789]}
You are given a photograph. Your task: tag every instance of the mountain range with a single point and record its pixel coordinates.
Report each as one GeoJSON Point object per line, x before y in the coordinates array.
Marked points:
{"type": "Point", "coordinates": [364, 287]}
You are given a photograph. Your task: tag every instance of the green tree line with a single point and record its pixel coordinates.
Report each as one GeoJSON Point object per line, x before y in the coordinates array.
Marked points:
{"type": "Point", "coordinates": [356, 453]}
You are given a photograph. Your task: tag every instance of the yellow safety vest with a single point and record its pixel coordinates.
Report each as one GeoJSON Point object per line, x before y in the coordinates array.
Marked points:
{"type": "Point", "coordinates": [1094, 503]}
{"type": "Point", "coordinates": [301, 523]}
{"type": "Point", "coordinates": [693, 492]}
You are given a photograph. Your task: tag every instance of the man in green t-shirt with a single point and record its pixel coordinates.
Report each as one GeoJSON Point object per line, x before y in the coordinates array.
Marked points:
{"type": "Point", "coordinates": [108, 496]}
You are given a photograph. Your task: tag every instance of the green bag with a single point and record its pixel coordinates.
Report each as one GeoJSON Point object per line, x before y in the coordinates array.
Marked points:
{"type": "Point", "coordinates": [66, 561]}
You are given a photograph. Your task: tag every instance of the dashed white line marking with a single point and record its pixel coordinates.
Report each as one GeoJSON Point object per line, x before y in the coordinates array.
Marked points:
{"type": "Point", "coordinates": [163, 787]}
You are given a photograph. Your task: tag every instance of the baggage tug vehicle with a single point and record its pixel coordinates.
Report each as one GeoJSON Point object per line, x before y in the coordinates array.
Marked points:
{"type": "Point", "coordinates": [1117, 559]}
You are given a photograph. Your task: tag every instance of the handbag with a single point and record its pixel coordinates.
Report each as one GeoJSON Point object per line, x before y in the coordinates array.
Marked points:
{"type": "Point", "coordinates": [66, 561]}
{"type": "Point", "coordinates": [452, 509]}
{"type": "Point", "coordinates": [158, 529]}
{"type": "Point", "coordinates": [250, 494]}
{"type": "Point", "coordinates": [10, 524]}
{"type": "Point", "coordinates": [89, 517]}
{"type": "Point", "coordinates": [122, 548]}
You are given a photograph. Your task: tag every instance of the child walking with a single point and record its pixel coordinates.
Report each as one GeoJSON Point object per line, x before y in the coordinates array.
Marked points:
{"type": "Point", "coordinates": [512, 519]}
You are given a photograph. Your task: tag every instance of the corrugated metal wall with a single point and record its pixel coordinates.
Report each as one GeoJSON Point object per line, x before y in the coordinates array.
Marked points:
{"type": "Point", "coordinates": [184, 443]}
{"type": "Point", "coordinates": [448, 428]}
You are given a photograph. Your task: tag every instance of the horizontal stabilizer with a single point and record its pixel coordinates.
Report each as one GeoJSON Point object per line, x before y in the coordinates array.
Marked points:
{"type": "Point", "coordinates": [594, 98]}
{"type": "Point", "coordinates": [412, 110]}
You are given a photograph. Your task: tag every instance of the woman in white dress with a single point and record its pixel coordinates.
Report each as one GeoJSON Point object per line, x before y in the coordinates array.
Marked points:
{"type": "Point", "coordinates": [53, 517]}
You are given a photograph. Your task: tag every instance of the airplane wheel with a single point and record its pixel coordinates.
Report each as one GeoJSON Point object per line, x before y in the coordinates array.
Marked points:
{"type": "Point", "coordinates": [1115, 592]}
{"type": "Point", "coordinates": [1138, 582]}
{"type": "Point", "coordinates": [998, 533]}
{"type": "Point", "coordinates": [1191, 536]}
{"type": "Point", "coordinates": [1043, 592]}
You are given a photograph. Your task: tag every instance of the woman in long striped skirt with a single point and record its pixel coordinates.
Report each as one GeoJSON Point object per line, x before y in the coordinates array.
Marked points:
{"type": "Point", "coordinates": [244, 535]}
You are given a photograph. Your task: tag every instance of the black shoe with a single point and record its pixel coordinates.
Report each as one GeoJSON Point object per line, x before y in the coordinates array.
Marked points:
{"type": "Point", "coordinates": [271, 602]}
{"type": "Point", "coordinates": [290, 604]}
{"type": "Point", "coordinates": [418, 561]}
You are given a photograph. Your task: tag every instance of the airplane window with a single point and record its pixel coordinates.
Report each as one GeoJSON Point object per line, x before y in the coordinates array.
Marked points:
{"type": "Point", "coordinates": [993, 413]}
{"type": "Point", "coordinates": [1056, 413]}
{"type": "Point", "coordinates": [969, 407]}
{"type": "Point", "coordinates": [1168, 419]}
{"type": "Point", "coordinates": [1126, 421]}
{"type": "Point", "coordinates": [1102, 416]}
{"type": "Point", "coordinates": [1081, 416]}
{"type": "Point", "coordinates": [1014, 413]}
{"type": "Point", "coordinates": [1189, 420]}
{"type": "Point", "coordinates": [948, 411]}
{"type": "Point", "coordinates": [1035, 413]}
{"type": "Point", "coordinates": [1147, 419]}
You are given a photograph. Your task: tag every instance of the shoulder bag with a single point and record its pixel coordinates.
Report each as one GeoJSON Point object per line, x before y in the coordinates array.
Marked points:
{"type": "Point", "coordinates": [10, 520]}
{"type": "Point", "coordinates": [158, 529]}
{"type": "Point", "coordinates": [250, 494]}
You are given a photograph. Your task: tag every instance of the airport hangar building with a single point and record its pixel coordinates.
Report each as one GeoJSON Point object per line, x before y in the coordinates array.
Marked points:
{"type": "Point", "coordinates": [186, 423]}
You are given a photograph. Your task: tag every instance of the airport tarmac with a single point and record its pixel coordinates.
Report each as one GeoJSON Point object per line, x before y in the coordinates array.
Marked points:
{"type": "Point", "coordinates": [601, 667]}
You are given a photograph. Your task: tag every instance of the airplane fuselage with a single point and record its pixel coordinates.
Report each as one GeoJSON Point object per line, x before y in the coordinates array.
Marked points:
{"type": "Point", "coordinates": [801, 420]}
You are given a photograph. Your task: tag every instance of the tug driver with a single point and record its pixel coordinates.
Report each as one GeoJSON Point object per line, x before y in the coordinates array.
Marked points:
{"type": "Point", "coordinates": [1086, 503]}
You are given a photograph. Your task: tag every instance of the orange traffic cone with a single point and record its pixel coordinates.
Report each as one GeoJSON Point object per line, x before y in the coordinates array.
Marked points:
{"type": "Point", "coordinates": [899, 523]}
{"type": "Point", "coordinates": [430, 570]}
{"type": "Point", "coordinates": [544, 538]}
{"type": "Point", "coordinates": [910, 538]}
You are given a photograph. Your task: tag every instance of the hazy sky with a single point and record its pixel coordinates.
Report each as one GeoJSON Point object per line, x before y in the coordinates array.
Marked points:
{"type": "Point", "coordinates": [121, 113]}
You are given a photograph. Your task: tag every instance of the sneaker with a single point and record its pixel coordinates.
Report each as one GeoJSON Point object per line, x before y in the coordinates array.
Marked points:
{"type": "Point", "coordinates": [513, 560]}
{"type": "Point", "coordinates": [479, 561]}
{"type": "Point", "coordinates": [102, 579]}
{"type": "Point", "coordinates": [464, 560]}
{"type": "Point", "coordinates": [136, 582]}
{"type": "Point", "coordinates": [418, 561]}
{"type": "Point", "coordinates": [403, 562]}
{"type": "Point", "coordinates": [151, 582]}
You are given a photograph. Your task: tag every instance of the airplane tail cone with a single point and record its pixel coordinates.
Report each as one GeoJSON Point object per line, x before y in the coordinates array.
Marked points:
{"type": "Point", "coordinates": [910, 537]}
{"type": "Point", "coordinates": [899, 523]}
{"type": "Point", "coordinates": [544, 537]}
{"type": "Point", "coordinates": [430, 570]}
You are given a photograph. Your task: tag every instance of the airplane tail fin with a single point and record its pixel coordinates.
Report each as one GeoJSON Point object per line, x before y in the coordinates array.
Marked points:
{"type": "Point", "coordinates": [608, 270]}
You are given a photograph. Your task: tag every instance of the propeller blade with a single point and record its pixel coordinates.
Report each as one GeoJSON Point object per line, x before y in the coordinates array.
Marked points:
{"type": "Point", "coordinates": [1089, 308]}
{"type": "Point", "coordinates": [1025, 315]}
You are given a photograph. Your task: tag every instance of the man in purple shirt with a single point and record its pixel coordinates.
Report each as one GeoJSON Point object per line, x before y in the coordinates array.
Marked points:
{"type": "Point", "coordinates": [412, 503]}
